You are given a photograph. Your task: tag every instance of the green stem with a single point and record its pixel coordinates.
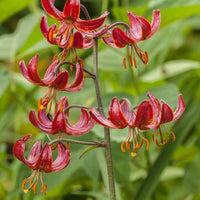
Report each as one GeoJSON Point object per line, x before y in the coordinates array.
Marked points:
{"type": "Point", "coordinates": [76, 142]}
{"type": "Point", "coordinates": [106, 130]}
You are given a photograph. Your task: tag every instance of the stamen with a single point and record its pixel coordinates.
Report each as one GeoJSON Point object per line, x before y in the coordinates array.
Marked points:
{"type": "Point", "coordinates": [61, 106]}
{"type": "Point", "coordinates": [173, 136]}
{"type": "Point", "coordinates": [124, 63]}
{"type": "Point", "coordinates": [56, 108]}
{"type": "Point", "coordinates": [54, 57]}
{"type": "Point", "coordinates": [50, 35]}
{"type": "Point", "coordinates": [135, 63]}
{"type": "Point", "coordinates": [82, 62]}
{"type": "Point", "coordinates": [44, 187]}
{"type": "Point", "coordinates": [71, 66]}
{"type": "Point", "coordinates": [130, 60]}
{"type": "Point", "coordinates": [133, 154]}
{"type": "Point", "coordinates": [59, 41]}
{"type": "Point", "coordinates": [153, 137]}
{"type": "Point", "coordinates": [122, 147]}
{"type": "Point", "coordinates": [128, 145]}
{"type": "Point", "coordinates": [34, 188]}
{"type": "Point", "coordinates": [50, 105]}
{"type": "Point", "coordinates": [147, 147]}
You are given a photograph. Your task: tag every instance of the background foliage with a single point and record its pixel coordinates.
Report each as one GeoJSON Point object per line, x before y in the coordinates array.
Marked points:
{"type": "Point", "coordinates": [171, 172]}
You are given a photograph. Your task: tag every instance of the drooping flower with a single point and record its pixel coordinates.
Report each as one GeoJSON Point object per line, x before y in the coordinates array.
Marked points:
{"type": "Point", "coordinates": [164, 114]}
{"type": "Point", "coordinates": [121, 114]}
{"type": "Point", "coordinates": [59, 122]}
{"type": "Point", "coordinates": [40, 159]}
{"type": "Point", "coordinates": [68, 44]}
{"type": "Point", "coordinates": [140, 29]}
{"type": "Point", "coordinates": [54, 80]}
{"type": "Point", "coordinates": [69, 17]}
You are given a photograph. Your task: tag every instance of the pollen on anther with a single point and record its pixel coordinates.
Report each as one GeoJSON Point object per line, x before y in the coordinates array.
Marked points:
{"type": "Point", "coordinates": [133, 154]}
{"type": "Point", "coordinates": [26, 191]}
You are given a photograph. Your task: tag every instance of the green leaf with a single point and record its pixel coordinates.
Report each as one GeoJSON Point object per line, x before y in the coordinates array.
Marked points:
{"type": "Point", "coordinates": [171, 15]}
{"type": "Point", "coordinates": [11, 43]}
{"type": "Point", "coordinates": [149, 184]}
{"type": "Point", "coordinates": [170, 69]}
{"type": "Point", "coordinates": [109, 59]}
{"type": "Point", "coordinates": [4, 81]}
{"type": "Point", "coordinates": [10, 7]}
{"type": "Point", "coordinates": [192, 176]}
{"type": "Point", "coordinates": [39, 46]}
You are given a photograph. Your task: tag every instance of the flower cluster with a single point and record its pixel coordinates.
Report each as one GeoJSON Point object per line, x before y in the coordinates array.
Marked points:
{"type": "Point", "coordinates": [52, 115]}
{"type": "Point", "coordinates": [150, 114]}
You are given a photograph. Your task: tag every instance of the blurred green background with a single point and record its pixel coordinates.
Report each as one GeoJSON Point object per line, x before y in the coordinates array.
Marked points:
{"type": "Point", "coordinates": [171, 172]}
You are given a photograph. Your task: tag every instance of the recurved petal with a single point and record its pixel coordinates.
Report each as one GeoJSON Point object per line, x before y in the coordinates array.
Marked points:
{"type": "Point", "coordinates": [49, 7]}
{"type": "Point", "coordinates": [85, 125]}
{"type": "Point", "coordinates": [156, 106]}
{"type": "Point", "coordinates": [146, 27]}
{"type": "Point", "coordinates": [120, 38]}
{"type": "Point", "coordinates": [51, 68]}
{"type": "Point", "coordinates": [110, 41]}
{"type": "Point", "coordinates": [42, 116]}
{"type": "Point", "coordinates": [180, 108]}
{"type": "Point", "coordinates": [78, 40]}
{"type": "Point", "coordinates": [33, 73]}
{"type": "Point", "coordinates": [144, 115]}
{"type": "Point", "coordinates": [19, 148]}
{"type": "Point", "coordinates": [101, 120]}
{"type": "Point", "coordinates": [78, 82]}
{"type": "Point", "coordinates": [24, 71]}
{"type": "Point", "coordinates": [155, 24]}
{"type": "Point", "coordinates": [44, 161]}
{"type": "Point", "coordinates": [136, 32]}
{"type": "Point", "coordinates": [90, 25]}
{"type": "Point", "coordinates": [72, 10]}
{"type": "Point", "coordinates": [61, 80]}
{"type": "Point", "coordinates": [45, 128]}
{"type": "Point", "coordinates": [59, 124]}
{"type": "Point", "coordinates": [44, 26]}
{"type": "Point", "coordinates": [116, 115]}
{"type": "Point", "coordinates": [62, 159]}
{"type": "Point", "coordinates": [166, 113]}
{"type": "Point", "coordinates": [83, 120]}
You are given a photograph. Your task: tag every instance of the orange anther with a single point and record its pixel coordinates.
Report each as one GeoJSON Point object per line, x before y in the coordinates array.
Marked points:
{"type": "Point", "coordinates": [122, 147]}
{"type": "Point", "coordinates": [153, 137]}
{"type": "Point", "coordinates": [82, 62]}
{"type": "Point", "coordinates": [135, 63]}
{"type": "Point", "coordinates": [34, 188]}
{"type": "Point", "coordinates": [124, 63]}
{"type": "Point", "coordinates": [54, 57]}
{"type": "Point", "coordinates": [44, 187]}
{"type": "Point", "coordinates": [130, 60]}
{"type": "Point", "coordinates": [147, 147]}
{"type": "Point", "coordinates": [23, 184]}
{"type": "Point", "coordinates": [128, 145]}
{"type": "Point", "coordinates": [173, 136]}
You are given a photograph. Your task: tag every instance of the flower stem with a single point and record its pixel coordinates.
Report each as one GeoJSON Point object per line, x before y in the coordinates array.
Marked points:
{"type": "Point", "coordinates": [106, 130]}
{"type": "Point", "coordinates": [75, 142]}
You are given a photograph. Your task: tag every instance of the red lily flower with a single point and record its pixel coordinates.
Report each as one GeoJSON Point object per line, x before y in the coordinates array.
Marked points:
{"type": "Point", "coordinates": [59, 123]}
{"type": "Point", "coordinates": [58, 81]}
{"type": "Point", "coordinates": [40, 159]}
{"type": "Point", "coordinates": [121, 115]}
{"type": "Point", "coordinates": [140, 29]}
{"type": "Point", "coordinates": [164, 114]}
{"type": "Point", "coordinates": [69, 42]}
{"type": "Point", "coordinates": [69, 18]}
